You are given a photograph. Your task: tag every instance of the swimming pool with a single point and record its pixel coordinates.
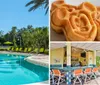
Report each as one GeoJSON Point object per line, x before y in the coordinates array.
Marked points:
{"type": "Point", "coordinates": [14, 70]}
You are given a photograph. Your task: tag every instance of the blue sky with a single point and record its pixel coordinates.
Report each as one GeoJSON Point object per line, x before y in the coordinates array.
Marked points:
{"type": "Point", "coordinates": [14, 13]}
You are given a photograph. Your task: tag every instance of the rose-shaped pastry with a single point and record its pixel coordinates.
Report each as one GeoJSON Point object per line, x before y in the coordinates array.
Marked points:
{"type": "Point", "coordinates": [57, 4]}
{"type": "Point", "coordinates": [69, 7]}
{"type": "Point", "coordinates": [80, 27]}
{"type": "Point", "coordinates": [56, 22]}
{"type": "Point", "coordinates": [54, 7]}
{"type": "Point", "coordinates": [76, 23]}
{"type": "Point", "coordinates": [57, 13]}
{"type": "Point", "coordinates": [97, 21]}
{"type": "Point", "coordinates": [88, 6]}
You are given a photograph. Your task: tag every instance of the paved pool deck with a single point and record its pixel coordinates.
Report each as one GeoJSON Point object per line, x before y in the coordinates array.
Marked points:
{"type": "Point", "coordinates": [39, 59]}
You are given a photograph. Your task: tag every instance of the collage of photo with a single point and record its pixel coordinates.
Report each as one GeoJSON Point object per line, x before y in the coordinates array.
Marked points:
{"type": "Point", "coordinates": [50, 42]}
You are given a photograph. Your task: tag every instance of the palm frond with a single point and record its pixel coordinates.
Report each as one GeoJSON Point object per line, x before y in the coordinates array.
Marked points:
{"type": "Point", "coordinates": [34, 7]}
{"type": "Point", "coordinates": [47, 10]}
{"type": "Point", "coordinates": [29, 3]}
{"type": "Point", "coordinates": [46, 3]}
{"type": "Point", "coordinates": [37, 4]}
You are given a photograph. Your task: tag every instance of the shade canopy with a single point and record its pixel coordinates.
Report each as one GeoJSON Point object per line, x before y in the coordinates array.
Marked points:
{"type": "Point", "coordinates": [57, 45]}
{"type": "Point", "coordinates": [8, 43]}
{"type": "Point", "coordinates": [87, 46]}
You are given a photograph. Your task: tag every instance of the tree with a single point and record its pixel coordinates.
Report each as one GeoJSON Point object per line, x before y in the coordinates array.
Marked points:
{"type": "Point", "coordinates": [46, 37]}
{"type": "Point", "coordinates": [29, 37]}
{"type": "Point", "coordinates": [2, 39]}
{"type": "Point", "coordinates": [13, 35]}
{"type": "Point", "coordinates": [38, 3]}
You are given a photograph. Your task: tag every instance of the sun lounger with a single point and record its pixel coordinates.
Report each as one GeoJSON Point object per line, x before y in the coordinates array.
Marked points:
{"type": "Point", "coordinates": [36, 50]}
{"type": "Point", "coordinates": [20, 49]}
{"type": "Point", "coordinates": [16, 49]}
{"type": "Point", "coordinates": [29, 49]}
{"type": "Point", "coordinates": [46, 51]}
{"type": "Point", "coordinates": [25, 50]}
{"type": "Point", "coordinates": [41, 50]}
{"type": "Point", "coordinates": [8, 49]}
{"type": "Point", "coordinates": [12, 49]}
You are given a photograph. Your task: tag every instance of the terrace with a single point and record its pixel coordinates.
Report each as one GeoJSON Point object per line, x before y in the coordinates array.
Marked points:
{"type": "Point", "coordinates": [75, 63]}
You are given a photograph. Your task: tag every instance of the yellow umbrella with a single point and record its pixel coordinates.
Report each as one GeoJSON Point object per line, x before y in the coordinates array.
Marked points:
{"type": "Point", "coordinates": [8, 43]}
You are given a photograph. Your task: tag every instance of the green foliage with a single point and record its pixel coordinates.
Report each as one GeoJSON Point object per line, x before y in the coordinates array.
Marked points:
{"type": "Point", "coordinates": [35, 37]}
{"type": "Point", "coordinates": [98, 60]}
{"type": "Point", "coordinates": [27, 37]}
{"type": "Point", "coordinates": [13, 35]}
{"type": "Point", "coordinates": [46, 51]}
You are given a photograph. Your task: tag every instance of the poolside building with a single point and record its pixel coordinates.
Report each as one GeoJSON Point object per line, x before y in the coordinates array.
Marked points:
{"type": "Point", "coordinates": [72, 56]}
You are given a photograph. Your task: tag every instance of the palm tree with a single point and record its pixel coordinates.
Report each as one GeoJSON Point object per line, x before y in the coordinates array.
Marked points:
{"type": "Point", "coordinates": [13, 35]}
{"type": "Point", "coordinates": [37, 4]}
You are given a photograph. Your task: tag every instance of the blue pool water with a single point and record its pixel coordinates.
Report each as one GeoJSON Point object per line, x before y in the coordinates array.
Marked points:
{"type": "Point", "coordinates": [14, 70]}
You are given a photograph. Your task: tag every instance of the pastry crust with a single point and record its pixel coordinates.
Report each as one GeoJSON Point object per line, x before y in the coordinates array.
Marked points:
{"type": "Point", "coordinates": [97, 21]}
{"type": "Point", "coordinates": [88, 7]}
{"type": "Point", "coordinates": [56, 21]}
{"type": "Point", "coordinates": [76, 22]}
{"type": "Point", "coordinates": [58, 13]}
{"type": "Point", "coordinates": [57, 4]}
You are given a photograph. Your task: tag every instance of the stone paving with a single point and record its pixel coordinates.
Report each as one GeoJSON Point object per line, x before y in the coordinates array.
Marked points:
{"type": "Point", "coordinates": [39, 59]}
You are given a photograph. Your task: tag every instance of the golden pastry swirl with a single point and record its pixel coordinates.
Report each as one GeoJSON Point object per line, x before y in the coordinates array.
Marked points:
{"type": "Point", "coordinates": [55, 5]}
{"type": "Point", "coordinates": [80, 28]}
{"type": "Point", "coordinates": [77, 23]}
{"type": "Point", "coordinates": [96, 17]}
{"type": "Point", "coordinates": [56, 11]}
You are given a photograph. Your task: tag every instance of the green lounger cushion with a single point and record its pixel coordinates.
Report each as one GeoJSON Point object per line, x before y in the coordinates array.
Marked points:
{"type": "Point", "coordinates": [12, 49]}
{"type": "Point", "coordinates": [20, 49]}
{"type": "Point", "coordinates": [25, 50]}
{"type": "Point", "coordinates": [8, 48]}
{"type": "Point", "coordinates": [16, 49]}
{"type": "Point", "coordinates": [29, 49]}
{"type": "Point", "coordinates": [36, 50]}
{"type": "Point", "coordinates": [41, 50]}
{"type": "Point", "coordinates": [46, 51]}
